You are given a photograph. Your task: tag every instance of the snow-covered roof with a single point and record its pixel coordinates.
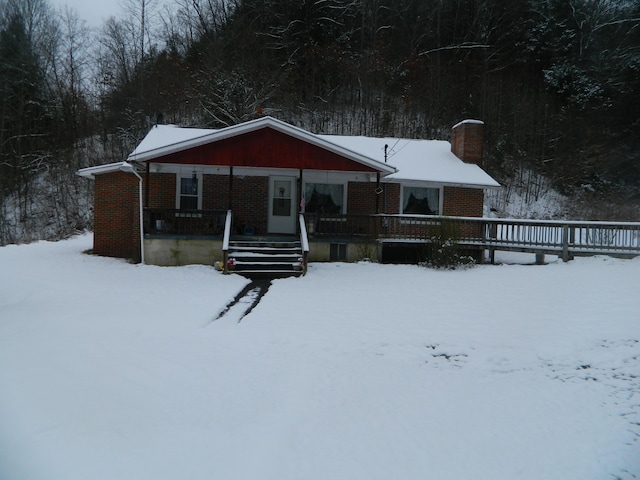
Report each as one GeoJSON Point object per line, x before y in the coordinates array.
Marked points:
{"type": "Point", "coordinates": [419, 161]}
{"type": "Point", "coordinates": [91, 172]}
{"type": "Point", "coordinates": [468, 121]}
{"type": "Point", "coordinates": [408, 160]}
{"type": "Point", "coordinates": [167, 139]}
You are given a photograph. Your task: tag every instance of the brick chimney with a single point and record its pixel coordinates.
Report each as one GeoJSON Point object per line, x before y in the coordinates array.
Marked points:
{"type": "Point", "coordinates": [467, 140]}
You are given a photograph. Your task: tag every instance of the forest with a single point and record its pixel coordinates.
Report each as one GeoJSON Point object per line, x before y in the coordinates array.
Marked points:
{"type": "Point", "coordinates": [557, 83]}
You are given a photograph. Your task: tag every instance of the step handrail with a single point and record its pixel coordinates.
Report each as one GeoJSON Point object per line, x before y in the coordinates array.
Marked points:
{"type": "Point", "coordinates": [225, 242]}
{"type": "Point", "coordinates": [304, 241]}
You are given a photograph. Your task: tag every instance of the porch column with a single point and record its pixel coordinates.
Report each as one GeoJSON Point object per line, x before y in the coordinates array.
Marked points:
{"type": "Point", "coordinates": [230, 188]}
{"type": "Point", "coordinates": [300, 193]}
{"type": "Point", "coordinates": [377, 192]}
{"type": "Point", "coordinates": [146, 186]}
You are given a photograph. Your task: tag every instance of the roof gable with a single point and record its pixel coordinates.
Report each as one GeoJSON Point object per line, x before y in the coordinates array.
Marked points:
{"type": "Point", "coordinates": [265, 142]}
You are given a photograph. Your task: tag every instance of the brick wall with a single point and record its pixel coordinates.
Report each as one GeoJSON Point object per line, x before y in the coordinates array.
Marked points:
{"type": "Point", "coordinates": [392, 199]}
{"type": "Point", "coordinates": [215, 191]}
{"type": "Point", "coordinates": [162, 190]}
{"type": "Point", "coordinates": [467, 141]}
{"type": "Point", "coordinates": [115, 226]}
{"type": "Point", "coordinates": [463, 202]}
{"type": "Point", "coordinates": [361, 198]}
{"type": "Point", "coordinates": [250, 197]}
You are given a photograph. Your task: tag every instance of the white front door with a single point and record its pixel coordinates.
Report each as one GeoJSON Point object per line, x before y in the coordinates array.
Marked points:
{"type": "Point", "coordinates": [282, 204]}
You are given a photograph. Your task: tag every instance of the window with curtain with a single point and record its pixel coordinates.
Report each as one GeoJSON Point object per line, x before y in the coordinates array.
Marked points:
{"type": "Point", "coordinates": [324, 198]}
{"type": "Point", "coordinates": [420, 200]}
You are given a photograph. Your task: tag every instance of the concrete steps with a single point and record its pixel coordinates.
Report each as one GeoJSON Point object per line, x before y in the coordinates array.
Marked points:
{"type": "Point", "coordinates": [272, 258]}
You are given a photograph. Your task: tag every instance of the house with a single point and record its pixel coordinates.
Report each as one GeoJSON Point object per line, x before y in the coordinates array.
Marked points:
{"type": "Point", "coordinates": [267, 173]}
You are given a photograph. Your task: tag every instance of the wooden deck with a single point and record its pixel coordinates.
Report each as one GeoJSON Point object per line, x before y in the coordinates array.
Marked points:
{"type": "Point", "coordinates": [566, 239]}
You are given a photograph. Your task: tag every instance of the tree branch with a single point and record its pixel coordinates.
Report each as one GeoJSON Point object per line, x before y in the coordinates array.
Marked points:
{"type": "Point", "coordinates": [462, 46]}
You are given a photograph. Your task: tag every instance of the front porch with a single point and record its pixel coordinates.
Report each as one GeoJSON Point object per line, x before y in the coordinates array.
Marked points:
{"type": "Point", "coordinates": [175, 237]}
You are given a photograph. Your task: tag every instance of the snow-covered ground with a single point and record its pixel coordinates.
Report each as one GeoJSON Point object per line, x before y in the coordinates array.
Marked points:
{"type": "Point", "coordinates": [357, 371]}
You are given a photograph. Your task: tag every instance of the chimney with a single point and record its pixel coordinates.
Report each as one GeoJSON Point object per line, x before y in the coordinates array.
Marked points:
{"type": "Point", "coordinates": [467, 140]}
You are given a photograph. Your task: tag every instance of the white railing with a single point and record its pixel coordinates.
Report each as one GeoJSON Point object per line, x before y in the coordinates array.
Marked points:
{"type": "Point", "coordinates": [225, 241]}
{"type": "Point", "coordinates": [304, 242]}
{"type": "Point", "coordinates": [564, 238]}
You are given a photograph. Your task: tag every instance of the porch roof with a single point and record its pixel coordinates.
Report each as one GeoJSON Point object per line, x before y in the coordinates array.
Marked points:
{"type": "Point", "coordinates": [91, 172]}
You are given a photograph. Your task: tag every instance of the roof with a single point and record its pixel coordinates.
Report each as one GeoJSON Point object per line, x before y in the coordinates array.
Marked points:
{"type": "Point", "coordinates": [408, 160]}
{"type": "Point", "coordinates": [166, 139]}
{"type": "Point", "coordinates": [91, 172]}
{"type": "Point", "coordinates": [420, 161]}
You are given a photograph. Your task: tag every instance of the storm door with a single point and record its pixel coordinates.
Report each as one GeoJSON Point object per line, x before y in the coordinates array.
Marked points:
{"type": "Point", "coordinates": [282, 205]}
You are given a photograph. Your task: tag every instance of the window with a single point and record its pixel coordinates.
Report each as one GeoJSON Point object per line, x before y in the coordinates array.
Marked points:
{"type": "Point", "coordinates": [338, 252]}
{"type": "Point", "coordinates": [281, 206]}
{"type": "Point", "coordinates": [189, 192]}
{"type": "Point", "coordinates": [420, 200]}
{"type": "Point", "coordinates": [324, 198]}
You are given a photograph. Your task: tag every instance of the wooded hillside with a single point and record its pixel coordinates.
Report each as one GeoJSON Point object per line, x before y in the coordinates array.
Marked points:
{"type": "Point", "coordinates": [557, 83]}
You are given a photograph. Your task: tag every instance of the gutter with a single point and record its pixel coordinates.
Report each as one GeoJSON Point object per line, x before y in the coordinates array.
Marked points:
{"type": "Point", "coordinates": [127, 167]}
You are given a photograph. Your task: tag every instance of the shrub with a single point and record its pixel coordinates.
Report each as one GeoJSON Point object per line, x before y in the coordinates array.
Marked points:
{"type": "Point", "coordinates": [443, 250]}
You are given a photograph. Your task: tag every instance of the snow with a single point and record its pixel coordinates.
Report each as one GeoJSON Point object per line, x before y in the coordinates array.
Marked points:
{"type": "Point", "coordinates": [162, 136]}
{"type": "Point", "coordinates": [421, 161]}
{"type": "Point", "coordinates": [359, 371]}
{"type": "Point", "coordinates": [468, 122]}
{"type": "Point", "coordinates": [418, 160]}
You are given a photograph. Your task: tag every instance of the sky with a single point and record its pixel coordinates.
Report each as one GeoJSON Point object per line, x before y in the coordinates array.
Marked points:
{"type": "Point", "coordinates": [93, 12]}
{"type": "Point", "coordinates": [96, 12]}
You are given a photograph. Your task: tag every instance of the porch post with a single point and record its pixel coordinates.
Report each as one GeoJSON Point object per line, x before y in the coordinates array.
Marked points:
{"type": "Point", "coordinates": [299, 199]}
{"type": "Point", "coordinates": [300, 193]}
{"type": "Point", "coordinates": [377, 194]}
{"type": "Point", "coordinates": [230, 188]}
{"type": "Point", "coordinates": [146, 186]}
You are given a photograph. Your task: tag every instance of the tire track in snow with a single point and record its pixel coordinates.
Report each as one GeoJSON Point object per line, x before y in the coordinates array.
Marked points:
{"type": "Point", "coordinates": [246, 300]}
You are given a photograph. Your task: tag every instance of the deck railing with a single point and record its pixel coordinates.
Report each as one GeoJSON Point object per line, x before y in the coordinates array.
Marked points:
{"type": "Point", "coordinates": [563, 238]}
{"type": "Point", "coordinates": [159, 221]}
{"type": "Point", "coordinates": [341, 225]}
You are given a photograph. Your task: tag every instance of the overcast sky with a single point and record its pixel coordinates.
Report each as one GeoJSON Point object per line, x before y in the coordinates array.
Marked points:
{"type": "Point", "coordinates": [94, 12]}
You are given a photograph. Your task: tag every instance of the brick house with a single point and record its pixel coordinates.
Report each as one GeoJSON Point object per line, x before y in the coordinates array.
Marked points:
{"type": "Point", "coordinates": [277, 180]}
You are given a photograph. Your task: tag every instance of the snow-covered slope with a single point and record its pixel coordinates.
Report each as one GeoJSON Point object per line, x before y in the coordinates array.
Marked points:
{"type": "Point", "coordinates": [357, 371]}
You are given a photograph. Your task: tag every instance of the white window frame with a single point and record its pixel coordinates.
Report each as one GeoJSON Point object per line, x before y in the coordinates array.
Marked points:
{"type": "Point", "coordinates": [345, 186]}
{"type": "Point", "coordinates": [186, 174]}
{"type": "Point", "coordinates": [440, 197]}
